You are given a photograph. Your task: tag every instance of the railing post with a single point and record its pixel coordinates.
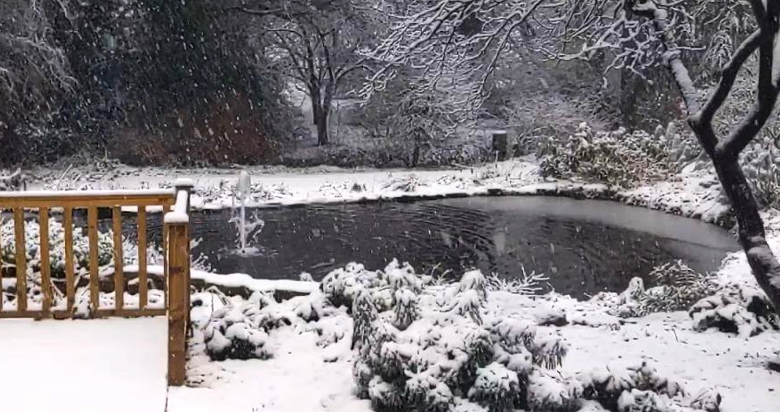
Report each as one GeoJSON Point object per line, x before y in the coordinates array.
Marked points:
{"type": "Point", "coordinates": [186, 185]}
{"type": "Point", "coordinates": [178, 269]}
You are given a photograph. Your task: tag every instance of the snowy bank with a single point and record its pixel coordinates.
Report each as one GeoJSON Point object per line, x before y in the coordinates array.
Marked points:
{"type": "Point", "coordinates": [695, 194]}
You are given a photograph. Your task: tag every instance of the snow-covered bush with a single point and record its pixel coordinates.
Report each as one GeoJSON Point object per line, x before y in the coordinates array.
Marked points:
{"type": "Point", "coordinates": [678, 287]}
{"type": "Point", "coordinates": [735, 309]}
{"type": "Point", "coordinates": [616, 158]}
{"type": "Point", "coordinates": [404, 184]}
{"type": "Point", "coordinates": [239, 331]}
{"type": "Point", "coordinates": [32, 236]}
{"type": "Point", "coordinates": [449, 354]}
{"type": "Point", "coordinates": [526, 284]}
{"type": "Point", "coordinates": [611, 385]}
{"type": "Point", "coordinates": [342, 286]}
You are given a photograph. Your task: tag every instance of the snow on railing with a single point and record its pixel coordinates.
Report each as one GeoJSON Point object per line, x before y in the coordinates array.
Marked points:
{"type": "Point", "coordinates": [73, 288]}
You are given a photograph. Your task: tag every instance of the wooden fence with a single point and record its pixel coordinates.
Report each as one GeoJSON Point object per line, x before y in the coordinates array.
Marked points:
{"type": "Point", "coordinates": [60, 298]}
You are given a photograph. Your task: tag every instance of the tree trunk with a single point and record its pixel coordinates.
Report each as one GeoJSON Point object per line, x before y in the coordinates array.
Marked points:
{"type": "Point", "coordinates": [752, 235]}
{"type": "Point", "coordinates": [322, 127]}
{"type": "Point", "coordinates": [319, 112]}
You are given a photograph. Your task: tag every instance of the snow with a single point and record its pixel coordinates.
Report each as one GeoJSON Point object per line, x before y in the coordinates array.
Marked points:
{"type": "Point", "coordinates": [318, 361]}
{"type": "Point", "coordinates": [86, 193]}
{"type": "Point", "coordinates": [177, 218]}
{"type": "Point", "coordinates": [100, 365]}
{"type": "Point", "coordinates": [297, 378]}
{"type": "Point", "coordinates": [240, 280]}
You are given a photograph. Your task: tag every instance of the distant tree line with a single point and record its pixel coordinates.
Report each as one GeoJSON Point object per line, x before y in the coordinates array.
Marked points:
{"type": "Point", "coordinates": [146, 81]}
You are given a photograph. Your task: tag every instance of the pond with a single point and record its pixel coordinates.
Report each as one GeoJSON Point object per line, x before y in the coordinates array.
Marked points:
{"type": "Point", "coordinates": [582, 246]}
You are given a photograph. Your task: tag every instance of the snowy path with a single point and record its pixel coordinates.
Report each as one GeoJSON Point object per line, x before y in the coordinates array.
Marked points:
{"type": "Point", "coordinates": [116, 365]}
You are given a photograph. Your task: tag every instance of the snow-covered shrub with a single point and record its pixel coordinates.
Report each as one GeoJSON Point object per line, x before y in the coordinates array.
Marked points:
{"type": "Point", "coordinates": [239, 331]}
{"type": "Point", "coordinates": [342, 286]}
{"type": "Point", "coordinates": [550, 393]}
{"type": "Point", "coordinates": [616, 158]}
{"type": "Point", "coordinates": [497, 387]}
{"type": "Point", "coordinates": [734, 309]}
{"type": "Point", "coordinates": [679, 287]}
{"type": "Point", "coordinates": [527, 284]}
{"type": "Point", "coordinates": [450, 355]}
{"type": "Point", "coordinates": [404, 184]}
{"type": "Point", "coordinates": [32, 236]}
{"type": "Point", "coordinates": [406, 310]}
{"type": "Point", "coordinates": [761, 165]}
{"type": "Point", "coordinates": [608, 385]}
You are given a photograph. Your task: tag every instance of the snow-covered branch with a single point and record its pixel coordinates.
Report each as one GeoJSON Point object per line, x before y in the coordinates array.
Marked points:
{"type": "Point", "coordinates": [451, 43]}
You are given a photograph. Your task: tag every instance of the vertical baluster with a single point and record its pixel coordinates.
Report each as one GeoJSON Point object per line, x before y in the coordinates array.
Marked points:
{"type": "Point", "coordinates": [119, 280]}
{"type": "Point", "coordinates": [94, 280]}
{"type": "Point", "coordinates": [70, 281]}
{"type": "Point", "coordinates": [21, 261]}
{"type": "Point", "coordinates": [142, 283]}
{"type": "Point", "coordinates": [166, 209]}
{"type": "Point", "coordinates": [45, 262]}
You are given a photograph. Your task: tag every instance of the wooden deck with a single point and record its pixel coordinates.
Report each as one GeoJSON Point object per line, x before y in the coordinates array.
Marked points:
{"type": "Point", "coordinates": [95, 365]}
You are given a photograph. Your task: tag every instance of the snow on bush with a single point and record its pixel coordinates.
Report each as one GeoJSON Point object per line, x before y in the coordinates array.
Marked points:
{"type": "Point", "coordinates": [435, 347]}
{"type": "Point", "coordinates": [616, 158]}
{"type": "Point", "coordinates": [239, 331]}
{"type": "Point", "coordinates": [32, 235]}
{"type": "Point", "coordinates": [450, 353]}
{"type": "Point", "coordinates": [404, 184]}
{"type": "Point", "coordinates": [527, 284]}
{"type": "Point", "coordinates": [736, 309]}
{"type": "Point", "coordinates": [678, 287]}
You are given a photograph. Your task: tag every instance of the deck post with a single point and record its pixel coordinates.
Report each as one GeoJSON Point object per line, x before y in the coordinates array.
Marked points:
{"type": "Point", "coordinates": [178, 269]}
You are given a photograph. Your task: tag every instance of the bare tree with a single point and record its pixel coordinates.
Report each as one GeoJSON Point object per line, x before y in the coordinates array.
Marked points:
{"type": "Point", "coordinates": [31, 64]}
{"type": "Point", "coordinates": [316, 42]}
{"type": "Point", "coordinates": [637, 34]}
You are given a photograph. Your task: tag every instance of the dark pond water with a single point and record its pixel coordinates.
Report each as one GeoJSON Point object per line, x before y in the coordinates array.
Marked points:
{"type": "Point", "coordinates": [582, 246]}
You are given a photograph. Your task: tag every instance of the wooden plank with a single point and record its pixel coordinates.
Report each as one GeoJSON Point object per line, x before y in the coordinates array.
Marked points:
{"type": "Point", "coordinates": [119, 260]}
{"type": "Point", "coordinates": [85, 199]}
{"type": "Point", "coordinates": [165, 241]}
{"type": "Point", "coordinates": [177, 323]}
{"type": "Point", "coordinates": [94, 280]}
{"type": "Point", "coordinates": [27, 314]}
{"type": "Point", "coordinates": [21, 261]}
{"type": "Point", "coordinates": [70, 279]}
{"type": "Point", "coordinates": [45, 262]}
{"type": "Point", "coordinates": [143, 293]}
{"type": "Point", "coordinates": [129, 313]}
{"type": "Point", "coordinates": [83, 203]}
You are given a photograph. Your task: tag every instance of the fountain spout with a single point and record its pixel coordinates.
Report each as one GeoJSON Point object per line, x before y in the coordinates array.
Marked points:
{"type": "Point", "coordinates": [243, 189]}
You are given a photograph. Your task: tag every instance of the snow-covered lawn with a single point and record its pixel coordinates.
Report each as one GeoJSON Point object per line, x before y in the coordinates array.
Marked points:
{"type": "Point", "coordinates": [116, 365]}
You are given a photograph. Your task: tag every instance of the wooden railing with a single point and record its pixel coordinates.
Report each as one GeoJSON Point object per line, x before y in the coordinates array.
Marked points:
{"type": "Point", "coordinates": [173, 287]}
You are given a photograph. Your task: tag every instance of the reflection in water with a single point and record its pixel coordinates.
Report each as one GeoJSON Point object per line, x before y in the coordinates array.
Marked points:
{"type": "Point", "coordinates": [582, 246]}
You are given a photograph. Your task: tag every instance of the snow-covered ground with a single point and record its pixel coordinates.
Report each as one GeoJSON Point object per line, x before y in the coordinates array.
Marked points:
{"type": "Point", "coordinates": [116, 365]}
{"type": "Point", "coordinates": [304, 375]}
{"type": "Point", "coordinates": [311, 364]}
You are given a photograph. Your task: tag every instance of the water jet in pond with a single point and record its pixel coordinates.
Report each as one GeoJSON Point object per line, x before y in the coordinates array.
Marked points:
{"type": "Point", "coordinates": [242, 192]}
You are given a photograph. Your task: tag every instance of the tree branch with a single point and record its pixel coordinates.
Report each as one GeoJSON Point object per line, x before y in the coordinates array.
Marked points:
{"type": "Point", "coordinates": [728, 76]}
